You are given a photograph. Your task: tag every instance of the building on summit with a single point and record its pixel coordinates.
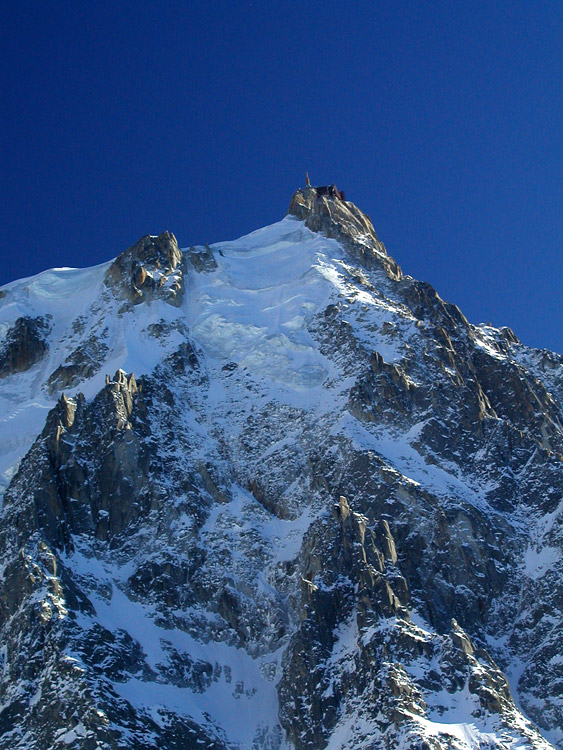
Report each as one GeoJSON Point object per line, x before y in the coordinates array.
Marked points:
{"type": "Point", "coordinates": [330, 191]}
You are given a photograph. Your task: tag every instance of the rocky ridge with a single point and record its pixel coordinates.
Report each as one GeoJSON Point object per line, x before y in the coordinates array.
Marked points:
{"type": "Point", "coordinates": [328, 515]}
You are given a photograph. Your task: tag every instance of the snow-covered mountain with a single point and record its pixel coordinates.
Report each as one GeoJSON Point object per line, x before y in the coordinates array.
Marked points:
{"type": "Point", "coordinates": [273, 493]}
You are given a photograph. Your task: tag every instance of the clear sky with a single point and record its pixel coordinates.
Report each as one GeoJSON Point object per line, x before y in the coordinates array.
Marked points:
{"type": "Point", "coordinates": [442, 120]}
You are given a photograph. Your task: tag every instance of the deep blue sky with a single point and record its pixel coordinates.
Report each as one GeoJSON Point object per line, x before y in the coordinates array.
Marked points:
{"type": "Point", "coordinates": [443, 121]}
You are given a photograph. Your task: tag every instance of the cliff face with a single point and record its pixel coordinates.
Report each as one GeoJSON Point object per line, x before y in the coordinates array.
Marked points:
{"type": "Point", "coordinates": [343, 221]}
{"type": "Point", "coordinates": [325, 511]}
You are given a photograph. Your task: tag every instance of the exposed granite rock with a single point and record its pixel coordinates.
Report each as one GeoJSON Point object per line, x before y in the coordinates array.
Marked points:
{"type": "Point", "coordinates": [72, 491]}
{"type": "Point", "coordinates": [152, 267]}
{"type": "Point", "coordinates": [343, 221]}
{"type": "Point", "coordinates": [202, 259]}
{"type": "Point", "coordinates": [26, 343]}
{"type": "Point", "coordinates": [84, 362]}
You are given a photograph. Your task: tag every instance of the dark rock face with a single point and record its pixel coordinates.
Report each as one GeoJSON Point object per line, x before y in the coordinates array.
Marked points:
{"type": "Point", "coordinates": [84, 362]}
{"type": "Point", "coordinates": [379, 569]}
{"type": "Point", "coordinates": [152, 267]}
{"type": "Point", "coordinates": [64, 502]}
{"type": "Point", "coordinates": [24, 346]}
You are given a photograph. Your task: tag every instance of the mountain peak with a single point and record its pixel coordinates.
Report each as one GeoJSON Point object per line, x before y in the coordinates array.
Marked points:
{"type": "Point", "coordinates": [325, 512]}
{"type": "Point", "coordinates": [324, 209]}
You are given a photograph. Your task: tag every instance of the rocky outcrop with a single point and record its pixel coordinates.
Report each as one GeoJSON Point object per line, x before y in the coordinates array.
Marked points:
{"type": "Point", "coordinates": [151, 268]}
{"type": "Point", "coordinates": [357, 645]}
{"type": "Point", "coordinates": [26, 343]}
{"type": "Point", "coordinates": [202, 259]}
{"type": "Point", "coordinates": [66, 489]}
{"type": "Point", "coordinates": [83, 363]}
{"type": "Point", "coordinates": [343, 221]}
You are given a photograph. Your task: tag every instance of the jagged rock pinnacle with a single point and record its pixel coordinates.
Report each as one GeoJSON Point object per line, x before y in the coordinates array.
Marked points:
{"type": "Point", "coordinates": [343, 221]}
{"type": "Point", "coordinates": [152, 267]}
